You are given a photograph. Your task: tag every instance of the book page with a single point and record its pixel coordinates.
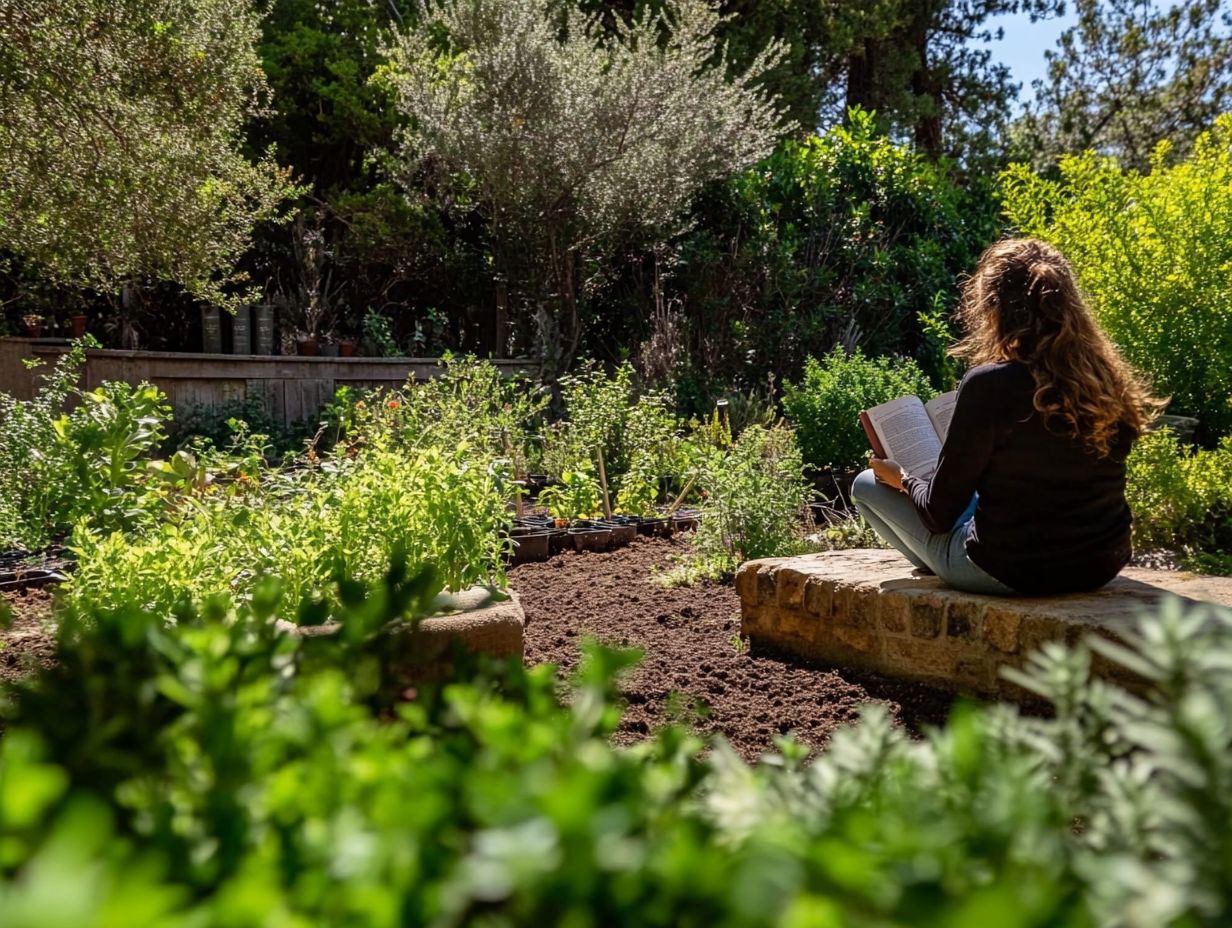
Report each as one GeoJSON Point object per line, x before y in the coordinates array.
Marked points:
{"type": "Point", "coordinates": [941, 411]}
{"type": "Point", "coordinates": [908, 434]}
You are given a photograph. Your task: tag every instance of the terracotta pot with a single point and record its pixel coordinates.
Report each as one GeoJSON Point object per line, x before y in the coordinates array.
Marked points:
{"type": "Point", "coordinates": [346, 348]}
{"type": "Point", "coordinates": [307, 347]}
{"type": "Point", "coordinates": [34, 331]}
{"type": "Point", "coordinates": [78, 321]}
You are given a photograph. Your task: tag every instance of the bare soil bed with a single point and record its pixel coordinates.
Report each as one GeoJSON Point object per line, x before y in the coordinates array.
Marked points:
{"type": "Point", "coordinates": [693, 648]}
{"type": "Point", "coordinates": [29, 642]}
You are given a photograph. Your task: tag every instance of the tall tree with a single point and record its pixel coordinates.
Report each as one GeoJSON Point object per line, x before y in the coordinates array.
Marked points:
{"type": "Point", "coordinates": [1130, 74]}
{"type": "Point", "coordinates": [574, 136]}
{"type": "Point", "coordinates": [326, 115]}
{"type": "Point", "coordinates": [923, 66]}
{"type": "Point", "coordinates": [121, 133]}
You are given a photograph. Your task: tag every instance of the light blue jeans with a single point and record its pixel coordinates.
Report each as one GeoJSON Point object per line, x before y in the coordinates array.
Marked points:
{"type": "Point", "coordinates": [892, 516]}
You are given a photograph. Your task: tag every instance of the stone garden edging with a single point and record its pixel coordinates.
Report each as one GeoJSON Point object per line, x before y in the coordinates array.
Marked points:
{"type": "Point", "coordinates": [863, 609]}
{"type": "Point", "coordinates": [474, 619]}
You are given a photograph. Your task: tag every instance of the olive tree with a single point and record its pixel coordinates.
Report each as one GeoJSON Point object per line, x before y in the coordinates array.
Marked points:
{"type": "Point", "coordinates": [575, 136]}
{"type": "Point", "coordinates": [121, 134]}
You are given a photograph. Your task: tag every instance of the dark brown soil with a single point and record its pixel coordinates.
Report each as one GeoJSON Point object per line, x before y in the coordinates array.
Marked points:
{"type": "Point", "coordinates": [29, 642]}
{"type": "Point", "coordinates": [692, 644]}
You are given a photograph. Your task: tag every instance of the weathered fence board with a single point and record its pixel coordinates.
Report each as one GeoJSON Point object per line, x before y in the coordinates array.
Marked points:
{"type": "Point", "coordinates": [291, 389]}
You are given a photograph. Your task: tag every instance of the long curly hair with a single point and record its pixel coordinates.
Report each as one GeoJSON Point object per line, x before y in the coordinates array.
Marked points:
{"type": "Point", "coordinates": [1022, 303]}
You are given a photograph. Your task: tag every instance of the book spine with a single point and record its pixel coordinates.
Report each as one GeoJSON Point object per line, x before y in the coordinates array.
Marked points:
{"type": "Point", "coordinates": [873, 440]}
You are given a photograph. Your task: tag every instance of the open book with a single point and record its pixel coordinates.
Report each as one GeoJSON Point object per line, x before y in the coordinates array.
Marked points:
{"type": "Point", "coordinates": [909, 431]}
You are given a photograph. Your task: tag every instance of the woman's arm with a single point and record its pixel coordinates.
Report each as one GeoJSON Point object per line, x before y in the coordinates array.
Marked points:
{"type": "Point", "coordinates": [941, 499]}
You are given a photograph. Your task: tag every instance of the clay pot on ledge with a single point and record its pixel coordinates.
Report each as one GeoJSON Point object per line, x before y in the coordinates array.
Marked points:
{"type": "Point", "coordinates": [78, 322]}
{"type": "Point", "coordinates": [346, 347]}
{"type": "Point", "coordinates": [306, 346]}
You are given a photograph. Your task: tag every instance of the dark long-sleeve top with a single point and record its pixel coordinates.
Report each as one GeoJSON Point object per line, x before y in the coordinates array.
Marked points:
{"type": "Point", "coordinates": [1051, 516]}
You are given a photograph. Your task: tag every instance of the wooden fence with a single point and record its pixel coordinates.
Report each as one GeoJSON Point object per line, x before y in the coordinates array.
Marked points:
{"type": "Point", "coordinates": [292, 389]}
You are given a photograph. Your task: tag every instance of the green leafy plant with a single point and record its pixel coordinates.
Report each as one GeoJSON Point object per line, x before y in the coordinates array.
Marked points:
{"type": "Point", "coordinates": [752, 499]}
{"type": "Point", "coordinates": [842, 238]}
{"type": "Point", "coordinates": [575, 497]}
{"type": "Point", "coordinates": [634, 428]}
{"type": "Point", "coordinates": [379, 336]}
{"type": "Point", "coordinates": [347, 513]}
{"type": "Point", "coordinates": [825, 406]}
{"type": "Point", "coordinates": [213, 771]}
{"type": "Point", "coordinates": [1181, 497]}
{"type": "Point", "coordinates": [470, 405]}
{"type": "Point", "coordinates": [58, 468]}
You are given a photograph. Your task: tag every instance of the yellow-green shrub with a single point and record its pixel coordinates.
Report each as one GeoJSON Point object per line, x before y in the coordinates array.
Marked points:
{"type": "Point", "coordinates": [1181, 498]}
{"type": "Point", "coordinates": [1154, 253]}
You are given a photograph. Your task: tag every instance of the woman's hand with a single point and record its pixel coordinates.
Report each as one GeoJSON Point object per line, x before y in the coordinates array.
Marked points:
{"type": "Point", "coordinates": [889, 472]}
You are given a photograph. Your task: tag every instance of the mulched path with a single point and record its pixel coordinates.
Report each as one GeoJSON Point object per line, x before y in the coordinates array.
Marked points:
{"type": "Point", "coordinates": [29, 642]}
{"type": "Point", "coordinates": [693, 648]}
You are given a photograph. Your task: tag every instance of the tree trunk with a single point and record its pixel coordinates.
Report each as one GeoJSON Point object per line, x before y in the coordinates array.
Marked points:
{"type": "Point", "coordinates": [925, 87]}
{"type": "Point", "coordinates": [861, 78]}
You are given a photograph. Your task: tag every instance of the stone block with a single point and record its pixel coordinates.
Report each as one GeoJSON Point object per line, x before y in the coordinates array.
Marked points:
{"type": "Point", "coordinates": [962, 618]}
{"type": "Point", "coordinates": [767, 586]}
{"type": "Point", "coordinates": [818, 596]}
{"type": "Point", "coordinates": [789, 589]}
{"type": "Point", "coordinates": [475, 621]}
{"type": "Point", "coordinates": [929, 661]}
{"type": "Point", "coordinates": [1000, 629]}
{"type": "Point", "coordinates": [746, 582]}
{"type": "Point", "coordinates": [860, 639]}
{"type": "Point", "coordinates": [893, 611]}
{"type": "Point", "coordinates": [927, 616]}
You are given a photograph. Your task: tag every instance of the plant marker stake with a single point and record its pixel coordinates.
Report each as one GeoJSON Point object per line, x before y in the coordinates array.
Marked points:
{"type": "Point", "coordinates": [683, 493]}
{"type": "Point", "coordinates": [607, 503]}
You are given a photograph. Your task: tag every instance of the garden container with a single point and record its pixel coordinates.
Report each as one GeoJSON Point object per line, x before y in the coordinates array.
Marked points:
{"type": "Point", "coordinates": [591, 538]}
{"type": "Point", "coordinates": [532, 546]}
{"type": "Point", "coordinates": [263, 316]}
{"type": "Point", "coordinates": [211, 330]}
{"type": "Point", "coordinates": [346, 348]}
{"type": "Point", "coordinates": [78, 321]}
{"type": "Point", "coordinates": [685, 520]}
{"type": "Point", "coordinates": [307, 346]}
{"type": "Point", "coordinates": [558, 540]}
{"type": "Point", "coordinates": [241, 331]}
{"type": "Point", "coordinates": [835, 484]}
{"type": "Point", "coordinates": [623, 530]}
{"type": "Point", "coordinates": [654, 526]}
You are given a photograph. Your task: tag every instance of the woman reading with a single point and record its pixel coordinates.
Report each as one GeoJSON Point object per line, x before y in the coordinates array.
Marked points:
{"type": "Point", "coordinates": [1028, 496]}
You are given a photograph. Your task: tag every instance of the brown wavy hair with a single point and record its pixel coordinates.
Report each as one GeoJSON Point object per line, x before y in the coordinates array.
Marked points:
{"type": "Point", "coordinates": [1023, 304]}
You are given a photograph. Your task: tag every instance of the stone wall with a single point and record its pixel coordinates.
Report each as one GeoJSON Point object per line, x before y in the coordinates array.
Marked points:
{"type": "Point", "coordinates": [864, 610]}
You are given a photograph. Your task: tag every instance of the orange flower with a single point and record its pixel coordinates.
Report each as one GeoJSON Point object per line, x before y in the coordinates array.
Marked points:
{"type": "Point", "coordinates": [393, 404]}
{"type": "Point", "coordinates": [361, 405]}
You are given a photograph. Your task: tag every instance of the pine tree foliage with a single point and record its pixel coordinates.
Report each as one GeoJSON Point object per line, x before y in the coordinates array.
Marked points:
{"type": "Point", "coordinates": [121, 128]}
{"type": "Point", "coordinates": [1129, 75]}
